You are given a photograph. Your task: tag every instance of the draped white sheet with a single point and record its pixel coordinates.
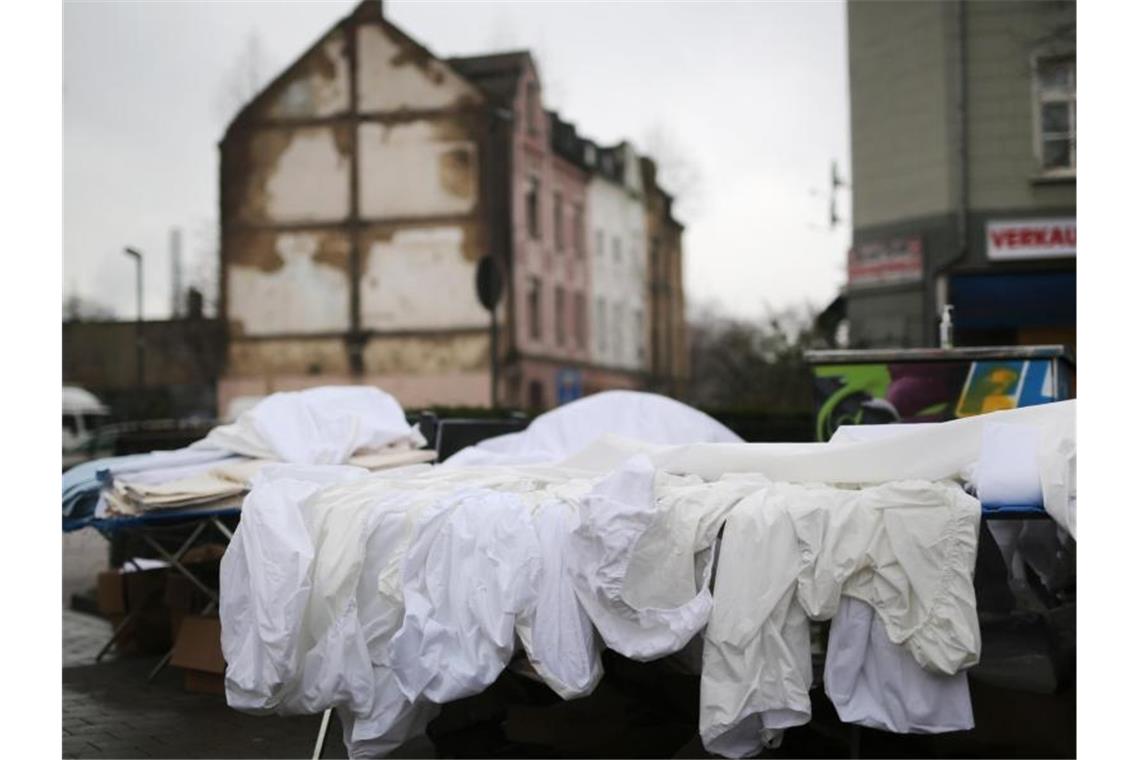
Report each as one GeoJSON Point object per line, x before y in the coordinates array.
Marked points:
{"type": "Point", "coordinates": [385, 594]}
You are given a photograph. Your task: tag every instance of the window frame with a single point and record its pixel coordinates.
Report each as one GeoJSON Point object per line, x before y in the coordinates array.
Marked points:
{"type": "Point", "coordinates": [1040, 97]}
{"type": "Point", "coordinates": [534, 307]}
{"type": "Point", "coordinates": [559, 315]}
{"type": "Point", "coordinates": [580, 331]}
{"type": "Point", "coordinates": [601, 307]}
{"type": "Point", "coordinates": [559, 233]}
{"type": "Point", "coordinates": [533, 211]}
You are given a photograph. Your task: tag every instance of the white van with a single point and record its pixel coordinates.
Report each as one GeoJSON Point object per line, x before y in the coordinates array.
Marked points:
{"type": "Point", "coordinates": [83, 413]}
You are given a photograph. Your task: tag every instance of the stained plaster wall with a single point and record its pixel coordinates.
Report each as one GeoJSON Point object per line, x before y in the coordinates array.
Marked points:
{"type": "Point", "coordinates": [293, 226]}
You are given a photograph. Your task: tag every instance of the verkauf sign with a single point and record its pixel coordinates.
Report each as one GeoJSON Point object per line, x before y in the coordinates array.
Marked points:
{"type": "Point", "coordinates": [1031, 239]}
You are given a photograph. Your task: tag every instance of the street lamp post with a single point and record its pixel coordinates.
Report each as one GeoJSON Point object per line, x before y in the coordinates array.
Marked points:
{"type": "Point", "coordinates": [137, 256]}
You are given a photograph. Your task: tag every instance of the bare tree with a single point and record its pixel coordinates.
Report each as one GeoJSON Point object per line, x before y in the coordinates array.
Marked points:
{"type": "Point", "coordinates": [245, 77]}
{"type": "Point", "coordinates": [202, 269]}
{"type": "Point", "coordinates": [76, 308]}
{"type": "Point", "coordinates": [678, 173]}
{"type": "Point", "coordinates": [756, 364]}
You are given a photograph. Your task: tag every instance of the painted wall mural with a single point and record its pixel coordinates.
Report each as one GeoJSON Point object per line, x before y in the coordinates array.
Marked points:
{"type": "Point", "coordinates": [931, 391]}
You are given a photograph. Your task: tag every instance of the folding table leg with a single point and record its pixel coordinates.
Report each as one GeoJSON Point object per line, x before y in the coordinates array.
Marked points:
{"type": "Point", "coordinates": [114, 636]}
{"type": "Point", "coordinates": [320, 748]}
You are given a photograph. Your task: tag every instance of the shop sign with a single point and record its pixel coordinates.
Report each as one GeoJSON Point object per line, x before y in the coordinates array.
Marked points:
{"type": "Point", "coordinates": [1031, 239]}
{"type": "Point", "coordinates": [885, 261]}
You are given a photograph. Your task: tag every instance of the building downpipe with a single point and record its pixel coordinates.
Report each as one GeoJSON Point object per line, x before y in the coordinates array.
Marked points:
{"type": "Point", "coordinates": [962, 232]}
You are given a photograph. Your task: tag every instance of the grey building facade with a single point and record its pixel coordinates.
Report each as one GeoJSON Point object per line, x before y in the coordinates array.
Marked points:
{"type": "Point", "coordinates": [963, 144]}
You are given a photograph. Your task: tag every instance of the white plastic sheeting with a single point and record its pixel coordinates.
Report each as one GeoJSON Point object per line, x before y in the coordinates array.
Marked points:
{"type": "Point", "coordinates": [325, 425]}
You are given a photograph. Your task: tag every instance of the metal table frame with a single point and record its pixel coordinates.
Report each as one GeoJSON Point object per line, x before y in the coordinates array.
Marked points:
{"type": "Point", "coordinates": [141, 526]}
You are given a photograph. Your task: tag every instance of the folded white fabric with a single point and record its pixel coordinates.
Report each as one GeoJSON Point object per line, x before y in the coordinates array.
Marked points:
{"type": "Point", "coordinates": [874, 682]}
{"type": "Point", "coordinates": [937, 452]}
{"type": "Point", "coordinates": [1007, 472]}
{"type": "Point", "coordinates": [861, 433]}
{"type": "Point", "coordinates": [325, 425]}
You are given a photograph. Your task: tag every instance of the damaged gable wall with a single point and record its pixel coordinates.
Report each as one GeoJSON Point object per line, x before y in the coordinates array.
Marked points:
{"type": "Point", "coordinates": [353, 214]}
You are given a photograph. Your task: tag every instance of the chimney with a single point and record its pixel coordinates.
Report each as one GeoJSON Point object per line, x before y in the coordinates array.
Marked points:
{"type": "Point", "coordinates": [369, 9]}
{"type": "Point", "coordinates": [175, 273]}
{"type": "Point", "coordinates": [193, 303]}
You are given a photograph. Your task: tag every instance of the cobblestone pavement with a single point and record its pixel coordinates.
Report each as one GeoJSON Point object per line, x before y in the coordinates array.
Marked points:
{"type": "Point", "coordinates": [111, 710]}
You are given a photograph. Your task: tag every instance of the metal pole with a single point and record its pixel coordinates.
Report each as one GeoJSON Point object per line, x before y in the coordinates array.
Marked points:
{"type": "Point", "coordinates": [494, 360]}
{"type": "Point", "coordinates": [140, 374]}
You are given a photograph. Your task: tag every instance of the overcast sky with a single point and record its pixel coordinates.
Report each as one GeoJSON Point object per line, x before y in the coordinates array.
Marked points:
{"type": "Point", "coordinates": [753, 96]}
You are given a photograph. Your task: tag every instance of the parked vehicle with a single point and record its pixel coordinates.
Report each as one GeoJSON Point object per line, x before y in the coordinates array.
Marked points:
{"type": "Point", "coordinates": [83, 414]}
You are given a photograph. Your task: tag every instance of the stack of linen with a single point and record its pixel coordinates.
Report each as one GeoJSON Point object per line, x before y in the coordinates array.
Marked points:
{"type": "Point", "coordinates": [357, 425]}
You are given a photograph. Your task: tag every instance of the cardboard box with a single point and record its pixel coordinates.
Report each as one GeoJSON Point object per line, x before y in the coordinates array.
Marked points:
{"type": "Point", "coordinates": [182, 594]}
{"type": "Point", "coordinates": [110, 593]}
{"type": "Point", "coordinates": [204, 554]}
{"type": "Point", "coordinates": [199, 682]}
{"type": "Point", "coordinates": [198, 651]}
{"type": "Point", "coordinates": [145, 588]}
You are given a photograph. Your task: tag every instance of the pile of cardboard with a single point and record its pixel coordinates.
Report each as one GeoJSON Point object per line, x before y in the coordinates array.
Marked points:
{"type": "Point", "coordinates": [169, 613]}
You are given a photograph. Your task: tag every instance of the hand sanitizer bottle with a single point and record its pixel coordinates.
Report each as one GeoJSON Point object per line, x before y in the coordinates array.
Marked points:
{"type": "Point", "coordinates": [946, 328]}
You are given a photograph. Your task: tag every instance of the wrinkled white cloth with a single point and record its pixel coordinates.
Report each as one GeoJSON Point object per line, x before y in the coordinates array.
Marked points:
{"type": "Point", "coordinates": [453, 559]}
{"type": "Point", "coordinates": [788, 554]}
{"type": "Point", "coordinates": [340, 554]}
{"type": "Point", "coordinates": [325, 425]}
{"type": "Point", "coordinates": [561, 432]}
{"type": "Point", "coordinates": [640, 558]}
{"type": "Point", "coordinates": [472, 568]}
{"type": "Point", "coordinates": [874, 682]}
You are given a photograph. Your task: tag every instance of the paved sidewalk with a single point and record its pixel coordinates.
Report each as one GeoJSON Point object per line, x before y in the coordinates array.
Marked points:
{"type": "Point", "coordinates": [110, 710]}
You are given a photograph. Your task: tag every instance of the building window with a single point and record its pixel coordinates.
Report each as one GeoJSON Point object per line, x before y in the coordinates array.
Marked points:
{"type": "Point", "coordinates": [619, 329]}
{"type": "Point", "coordinates": [532, 226]}
{"type": "Point", "coordinates": [601, 325]}
{"type": "Point", "coordinates": [558, 237]}
{"type": "Point", "coordinates": [534, 307]}
{"type": "Point", "coordinates": [1056, 84]}
{"type": "Point", "coordinates": [580, 319]}
{"type": "Point", "coordinates": [589, 154]}
{"type": "Point", "coordinates": [601, 245]}
{"type": "Point", "coordinates": [532, 107]}
{"type": "Point", "coordinates": [559, 315]}
{"type": "Point", "coordinates": [638, 338]}
{"type": "Point", "coordinates": [579, 231]}
{"type": "Point", "coordinates": [536, 397]}
{"type": "Point", "coordinates": [617, 250]}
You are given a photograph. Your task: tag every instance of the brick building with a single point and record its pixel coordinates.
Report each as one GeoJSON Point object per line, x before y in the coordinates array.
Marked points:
{"type": "Point", "coordinates": [362, 186]}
